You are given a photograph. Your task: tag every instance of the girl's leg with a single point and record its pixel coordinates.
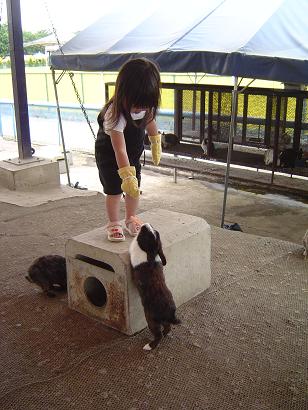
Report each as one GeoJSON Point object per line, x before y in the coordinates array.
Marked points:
{"type": "Point", "coordinates": [131, 206]}
{"type": "Point", "coordinates": [113, 207]}
{"type": "Point", "coordinates": [114, 229]}
{"type": "Point", "coordinates": [132, 223]}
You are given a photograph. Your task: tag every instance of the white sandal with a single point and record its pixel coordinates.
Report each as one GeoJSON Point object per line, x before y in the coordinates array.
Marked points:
{"type": "Point", "coordinates": [133, 225]}
{"type": "Point", "coordinates": [115, 232]}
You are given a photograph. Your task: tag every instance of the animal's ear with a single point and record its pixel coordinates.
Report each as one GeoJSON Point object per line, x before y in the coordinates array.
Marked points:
{"type": "Point", "coordinates": [161, 253]}
{"type": "Point", "coordinates": [162, 257]}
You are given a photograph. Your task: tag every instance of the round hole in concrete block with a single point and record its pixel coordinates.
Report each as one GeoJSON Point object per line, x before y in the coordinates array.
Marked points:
{"type": "Point", "coordinates": [95, 291]}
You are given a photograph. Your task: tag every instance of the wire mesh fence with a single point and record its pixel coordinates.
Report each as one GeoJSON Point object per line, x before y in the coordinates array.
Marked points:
{"type": "Point", "coordinates": [199, 115]}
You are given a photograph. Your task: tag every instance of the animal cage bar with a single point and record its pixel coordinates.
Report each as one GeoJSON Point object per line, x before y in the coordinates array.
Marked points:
{"type": "Point", "coordinates": [201, 117]}
{"type": "Point", "coordinates": [208, 109]}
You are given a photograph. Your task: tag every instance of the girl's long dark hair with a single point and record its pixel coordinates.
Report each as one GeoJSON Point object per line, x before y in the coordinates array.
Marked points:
{"type": "Point", "coordinates": [137, 85]}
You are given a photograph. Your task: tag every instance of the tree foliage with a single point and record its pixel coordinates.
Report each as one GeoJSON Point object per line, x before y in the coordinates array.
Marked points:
{"type": "Point", "coordinates": [4, 40]}
{"type": "Point", "coordinates": [27, 36]}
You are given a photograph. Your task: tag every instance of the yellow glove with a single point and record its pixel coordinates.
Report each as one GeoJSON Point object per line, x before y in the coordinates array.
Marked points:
{"type": "Point", "coordinates": [155, 141]}
{"type": "Point", "coordinates": [129, 181]}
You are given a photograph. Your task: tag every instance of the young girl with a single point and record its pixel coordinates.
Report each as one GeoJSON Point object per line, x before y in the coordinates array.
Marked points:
{"type": "Point", "coordinates": [120, 142]}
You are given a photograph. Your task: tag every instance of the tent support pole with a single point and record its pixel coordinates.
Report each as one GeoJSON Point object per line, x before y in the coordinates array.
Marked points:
{"type": "Point", "coordinates": [60, 125]}
{"type": "Point", "coordinates": [230, 145]}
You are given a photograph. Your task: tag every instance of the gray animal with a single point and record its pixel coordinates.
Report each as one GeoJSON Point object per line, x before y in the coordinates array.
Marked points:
{"type": "Point", "coordinates": [169, 140]}
{"type": "Point", "coordinates": [49, 273]}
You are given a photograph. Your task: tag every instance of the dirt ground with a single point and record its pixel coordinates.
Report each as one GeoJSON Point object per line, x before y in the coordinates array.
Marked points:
{"type": "Point", "coordinates": [242, 343]}
{"type": "Point", "coordinates": [270, 214]}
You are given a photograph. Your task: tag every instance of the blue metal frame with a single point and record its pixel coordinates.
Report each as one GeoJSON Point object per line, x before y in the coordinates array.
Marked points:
{"type": "Point", "coordinates": [19, 79]}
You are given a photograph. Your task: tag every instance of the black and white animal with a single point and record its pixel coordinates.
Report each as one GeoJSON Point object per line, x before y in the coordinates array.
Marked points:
{"type": "Point", "coordinates": [204, 146]}
{"type": "Point", "coordinates": [269, 157]}
{"type": "Point", "coordinates": [169, 140]}
{"type": "Point", "coordinates": [305, 243]}
{"type": "Point", "coordinates": [49, 273]}
{"type": "Point", "coordinates": [204, 143]}
{"type": "Point", "coordinates": [289, 156]}
{"type": "Point", "coordinates": [147, 260]}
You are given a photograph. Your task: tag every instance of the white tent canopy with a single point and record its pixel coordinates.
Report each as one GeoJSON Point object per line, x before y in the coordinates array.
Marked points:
{"type": "Point", "coordinates": [266, 39]}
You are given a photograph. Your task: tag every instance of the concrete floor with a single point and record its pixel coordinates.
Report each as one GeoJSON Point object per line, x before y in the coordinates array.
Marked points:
{"type": "Point", "coordinates": [242, 343]}
{"type": "Point", "coordinates": [274, 215]}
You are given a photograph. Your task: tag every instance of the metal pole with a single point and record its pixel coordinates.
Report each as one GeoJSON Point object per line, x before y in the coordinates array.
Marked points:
{"type": "Point", "coordinates": [175, 175]}
{"type": "Point", "coordinates": [60, 126]}
{"type": "Point", "coordinates": [231, 138]}
{"type": "Point", "coordinates": [19, 79]}
{"type": "Point", "coordinates": [194, 105]}
{"type": "Point", "coordinates": [276, 138]}
{"type": "Point", "coordinates": [1, 131]}
{"type": "Point", "coordinates": [175, 172]}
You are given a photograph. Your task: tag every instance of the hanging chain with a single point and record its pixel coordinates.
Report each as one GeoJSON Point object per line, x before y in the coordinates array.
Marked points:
{"type": "Point", "coordinates": [70, 73]}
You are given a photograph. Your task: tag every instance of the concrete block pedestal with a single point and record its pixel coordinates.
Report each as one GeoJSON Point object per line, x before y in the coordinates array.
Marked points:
{"type": "Point", "coordinates": [23, 174]}
{"type": "Point", "coordinates": [99, 272]}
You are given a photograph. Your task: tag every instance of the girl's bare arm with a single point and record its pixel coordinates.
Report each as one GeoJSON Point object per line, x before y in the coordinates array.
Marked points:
{"type": "Point", "coordinates": [119, 147]}
{"type": "Point", "coordinates": [152, 128]}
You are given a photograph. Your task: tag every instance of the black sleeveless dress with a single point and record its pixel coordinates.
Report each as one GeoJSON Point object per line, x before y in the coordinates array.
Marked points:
{"type": "Point", "coordinates": [106, 160]}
